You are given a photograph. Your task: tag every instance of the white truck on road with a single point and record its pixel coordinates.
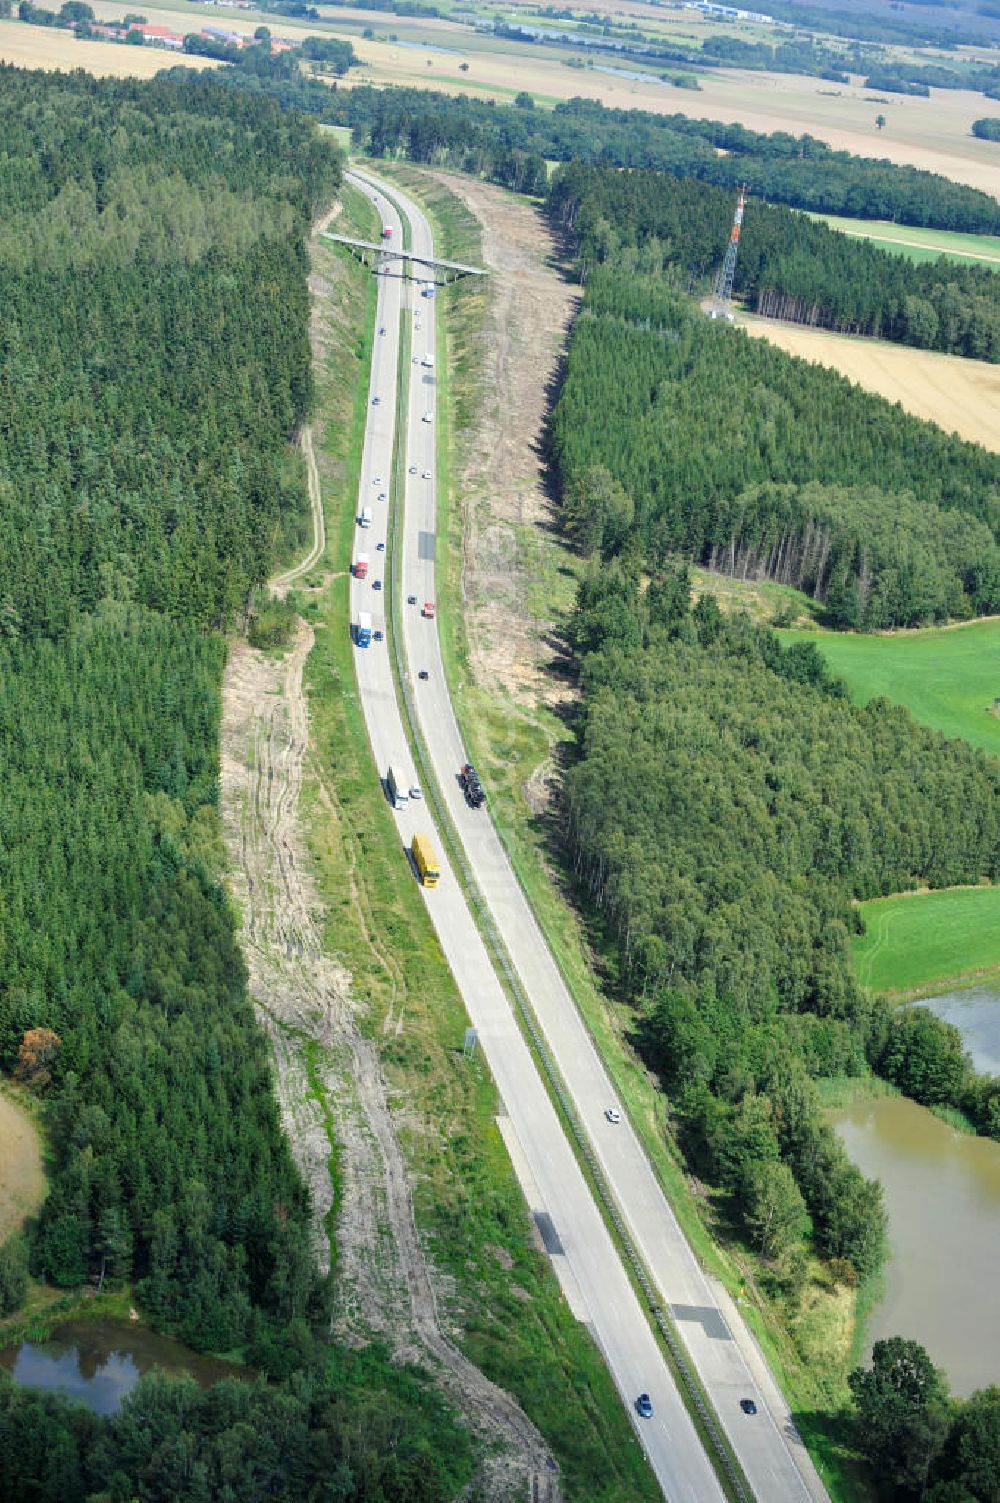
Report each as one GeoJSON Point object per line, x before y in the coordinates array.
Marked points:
{"type": "Point", "coordinates": [398, 788]}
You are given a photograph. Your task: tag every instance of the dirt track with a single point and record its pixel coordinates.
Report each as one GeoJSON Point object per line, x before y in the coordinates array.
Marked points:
{"type": "Point", "coordinates": [282, 582]}
{"type": "Point", "coordinates": [303, 998]}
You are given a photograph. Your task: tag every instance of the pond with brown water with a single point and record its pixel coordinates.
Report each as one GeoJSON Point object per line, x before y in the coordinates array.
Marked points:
{"type": "Point", "coordinates": [942, 1193]}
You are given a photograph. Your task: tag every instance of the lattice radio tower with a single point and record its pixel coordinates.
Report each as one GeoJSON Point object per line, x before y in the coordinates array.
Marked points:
{"type": "Point", "coordinates": [724, 281]}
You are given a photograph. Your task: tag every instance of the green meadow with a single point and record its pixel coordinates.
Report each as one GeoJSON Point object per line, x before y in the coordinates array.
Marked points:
{"type": "Point", "coordinates": [920, 941]}
{"type": "Point", "coordinates": [919, 244]}
{"type": "Point", "coordinates": [948, 677]}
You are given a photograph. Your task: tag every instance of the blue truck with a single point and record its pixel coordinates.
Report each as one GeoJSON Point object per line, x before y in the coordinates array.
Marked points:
{"type": "Point", "coordinates": [363, 630]}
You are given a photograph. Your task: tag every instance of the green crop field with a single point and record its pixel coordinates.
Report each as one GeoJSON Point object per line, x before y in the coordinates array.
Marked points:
{"type": "Point", "coordinates": [918, 942]}
{"type": "Point", "coordinates": [948, 678]}
{"type": "Point", "coordinates": [920, 244]}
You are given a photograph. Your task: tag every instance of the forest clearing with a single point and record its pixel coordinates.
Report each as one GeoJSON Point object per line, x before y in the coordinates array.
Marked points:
{"type": "Point", "coordinates": [22, 1178]}
{"type": "Point", "coordinates": [960, 395]}
{"type": "Point", "coordinates": [915, 943]}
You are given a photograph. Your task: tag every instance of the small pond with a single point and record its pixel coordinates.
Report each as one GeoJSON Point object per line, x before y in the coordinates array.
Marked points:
{"type": "Point", "coordinates": [99, 1362]}
{"type": "Point", "coordinates": [975, 1012]}
{"type": "Point", "coordinates": [942, 1193]}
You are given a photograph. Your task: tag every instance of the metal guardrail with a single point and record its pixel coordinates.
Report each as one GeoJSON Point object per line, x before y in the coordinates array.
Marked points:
{"type": "Point", "coordinates": [503, 965]}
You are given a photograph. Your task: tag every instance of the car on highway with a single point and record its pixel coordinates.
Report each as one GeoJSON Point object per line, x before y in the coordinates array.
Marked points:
{"type": "Point", "coordinates": [382, 330]}
{"type": "Point", "coordinates": [377, 480]}
{"type": "Point", "coordinates": [428, 417]}
{"type": "Point", "coordinates": [429, 610]}
{"type": "Point", "coordinates": [416, 791]}
{"type": "Point", "coordinates": [376, 401]}
{"type": "Point", "coordinates": [425, 474]}
{"type": "Point", "coordinates": [748, 1406]}
{"type": "Point", "coordinates": [376, 636]}
{"type": "Point", "coordinates": [381, 495]}
{"type": "Point", "coordinates": [413, 469]}
{"type": "Point", "coordinates": [379, 547]}
{"type": "Point", "coordinates": [411, 599]}
{"type": "Point", "coordinates": [376, 584]}
{"type": "Point", "coordinates": [423, 673]}
{"type": "Point", "coordinates": [644, 1406]}
{"type": "Point", "coordinates": [613, 1115]}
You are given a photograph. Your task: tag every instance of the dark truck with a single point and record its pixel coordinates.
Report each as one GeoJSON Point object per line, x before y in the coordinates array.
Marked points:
{"type": "Point", "coordinates": [471, 786]}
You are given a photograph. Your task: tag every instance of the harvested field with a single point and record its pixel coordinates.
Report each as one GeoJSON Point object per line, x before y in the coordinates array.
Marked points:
{"type": "Point", "coordinates": [22, 1180]}
{"type": "Point", "coordinates": [961, 396]}
{"type": "Point", "coordinates": [44, 47]}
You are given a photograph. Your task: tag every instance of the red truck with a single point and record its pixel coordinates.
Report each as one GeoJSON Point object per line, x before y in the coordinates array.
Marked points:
{"type": "Point", "coordinates": [361, 566]}
{"type": "Point", "coordinates": [387, 232]}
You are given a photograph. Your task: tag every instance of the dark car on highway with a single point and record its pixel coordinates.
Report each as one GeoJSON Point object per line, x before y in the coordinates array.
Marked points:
{"type": "Point", "coordinates": [644, 1406]}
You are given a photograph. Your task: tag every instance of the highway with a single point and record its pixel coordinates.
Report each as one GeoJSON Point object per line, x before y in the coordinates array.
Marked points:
{"type": "Point", "coordinates": [719, 1344]}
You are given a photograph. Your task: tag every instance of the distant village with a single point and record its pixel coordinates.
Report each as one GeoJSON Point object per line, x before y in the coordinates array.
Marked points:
{"type": "Point", "coordinates": [173, 41]}
{"type": "Point", "coordinates": [213, 41]}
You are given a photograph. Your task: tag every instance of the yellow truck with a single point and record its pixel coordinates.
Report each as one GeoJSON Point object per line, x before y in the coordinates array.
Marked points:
{"type": "Point", "coordinates": [426, 861]}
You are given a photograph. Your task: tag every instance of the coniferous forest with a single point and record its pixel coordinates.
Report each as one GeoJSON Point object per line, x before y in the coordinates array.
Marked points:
{"type": "Point", "coordinates": [726, 450]}
{"type": "Point", "coordinates": [154, 367]}
{"type": "Point", "coordinates": [789, 266]}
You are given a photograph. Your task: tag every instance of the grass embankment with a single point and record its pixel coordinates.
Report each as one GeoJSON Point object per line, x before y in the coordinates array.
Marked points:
{"type": "Point", "coordinates": [920, 244]}
{"type": "Point", "coordinates": [513, 1321]}
{"type": "Point", "coordinates": [948, 677]}
{"type": "Point", "coordinates": [512, 744]}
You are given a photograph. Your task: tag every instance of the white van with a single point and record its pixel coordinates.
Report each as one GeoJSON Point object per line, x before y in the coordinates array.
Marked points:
{"type": "Point", "coordinates": [365, 519]}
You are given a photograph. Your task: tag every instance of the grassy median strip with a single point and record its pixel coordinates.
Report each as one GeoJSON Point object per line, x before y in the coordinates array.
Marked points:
{"type": "Point", "coordinates": [494, 1285]}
